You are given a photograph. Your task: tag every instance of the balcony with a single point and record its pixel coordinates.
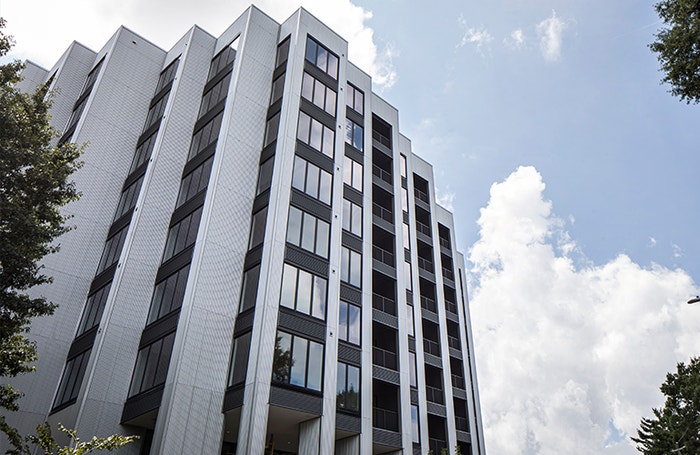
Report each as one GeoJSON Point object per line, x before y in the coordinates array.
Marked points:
{"type": "Point", "coordinates": [383, 256]}
{"type": "Point", "coordinates": [428, 304]}
{"type": "Point", "coordinates": [423, 229]}
{"type": "Point", "coordinates": [425, 264]}
{"type": "Point", "coordinates": [382, 139]}
{"type": "Point", "coordinates": [384, 304]}
{"type": "Point", "coordinates": [434, 394]}
{"type": "Point", "coordinates": [454, 342]}
{"type": "Point", "coordinates": [383, 358]}
{"type": "Point", "coordinates": [385, 419]}
{"type": "Point", "coordinates": [431, 347]}
{"type": "Point", "coordinates": [449, 274]}
{"type": "Point", "coordinates": [458, 382]}
{"type": "Point", "coordinates": [445, 243]}
{"type": "Point", "coordinates": [382, 174]}
{"type": "Point", "coordinates": [462, 423]}
{"type": "Point", "coordinates": [383, 213]}
{"type": "Point", "coordinates": [436, 445]}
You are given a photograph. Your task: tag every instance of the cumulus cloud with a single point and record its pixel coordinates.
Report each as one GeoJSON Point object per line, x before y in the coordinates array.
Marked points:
{"type": "Point", "coordinates": [163, 22]}
{"type": "Point", "coordinates": [445, 198]}
{"type": "Point", "coordinates": [479, 37]}
{"type": "Point", "coordinates": [516, 40]}
{"type": "Point", "coordinates": [569, 357]}
{"type": "Point", "coordinates": [551, 32]}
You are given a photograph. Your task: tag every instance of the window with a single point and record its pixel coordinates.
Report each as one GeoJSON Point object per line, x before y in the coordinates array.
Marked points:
{"type": "Point", "coordinates": [127, 201]}
{"type": "Point", "coordinates": [92, 76]}
{"type": "Point", "coordinates": [143, 152]}
{"type": "Point", "coordinates": [152, 365]}
{"type": "Point", "coordinates": [349, 323]}
{"type": "Point", "coordinates": [182, 234]}
{"type": "Point", "coordinates": [415, 427]}
{"type": "Point", "coordinates": [168, 294]}
{"type": "Point", "coordinates": [352, 173]}
{"type": "Point", "coordinates": [312, 132]}
{"type": "Point", "coordinates": [348, 389]}
{"type": "Point", "coordinates": [351, 267]}
{"type": "Point", "coordinates": [354, 134]}
{"type": "Point", "coordinates": [277, 89]}
{"type": "Point", "coordinates": [352, 217]}
{"type": "Point", "coordinates": [72, 378]}
{"type": "Point", "coordinates": [407, 276]}
{"type": "Point", "coordinates": [303, 292]}
{"type": "Point", "coordinates": [215, 94]}
{"type": "Point", "coordinates": [194, 182]}
{"type": "Point", "coordinates": [94, 306]}
{"type": "Point", "coordinates": [223, 59]}
{"type": "Point", "coordinates": [404, 199]}
{"type": "Point", "coordinates": [205, 136]}
{"type": "Point", "coordinates": [249, 288]}
{"type": "Point", "coordinates": [167, 75]}
{"type": "Point", "coordinates": [412, 369]}
{"type": "Point", "coordinates": [410, 320]}
{"type": "Point", "coordinates": [282, 52]}
{"type": "Point", "coordinates": [355, 99]}
{"type": "Point", "coordinates": [155, 113]}
{"type": "Point", "coordinates": [257, 228]}
{"type": "Point", "coordinates": [265, 176]}
{"type": "Point", "coordinates": [406, 237]}
{"type": "Point", "coordinates": [316, 91]}
{"type": "Point", "coordinates": [403, 166]}
{"type": "Point", "coordinates": [75, 115]}
{"type": "Point", "coordinates": [322, 58]}
{"type": "Point", "coordinates": [312, 180]}
{"type": "Point", "coordinates": [113, 247]}
{"type": "Point", "coordinates": [239, 359]}
{"type": "Point", "coordinates": [271, 128]}
{"type": "Point", "coordinates": [298, 361]}
{"type": "Point", "coordinates": [308, 232]}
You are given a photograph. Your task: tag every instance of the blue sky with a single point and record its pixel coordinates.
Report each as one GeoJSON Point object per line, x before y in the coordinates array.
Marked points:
{"type": "Point", "coordinates": [572, 173]}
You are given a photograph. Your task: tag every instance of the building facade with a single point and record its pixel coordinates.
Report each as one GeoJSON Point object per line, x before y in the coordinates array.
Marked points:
{"type": "Point", "coordinates": [258, 265]}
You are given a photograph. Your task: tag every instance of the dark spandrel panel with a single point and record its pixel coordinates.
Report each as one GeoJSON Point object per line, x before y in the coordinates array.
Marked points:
{"type": "Point", "coordinates": [142, 404]}
{"type": "Point", "coordinates": [463, 436]}
{"type": "Point", "coordinates": [296, 400]}
{"type": "Point", "coordinates": [233, 398]}
{"type": "Point", "coordinates": [348, 422]}
{"type": "Point", "coordinates": [416, 449]}
{"type": "Point", "coordinates": [349, 354]}
{"type": "Point", "coordinates": [433, 360]}
{"type": "Point", "coordinates": [306, 260]}
{"type": "Point", "coordinates": [385, 318]}
{"type": "Point", "coordinates": [385, 374]}
{"type": "Point", "coordinates": [348, 293]}
{"type": "Point", "coordinates": [312, 329]}
{"type": "Point", "coordinates": [459, 393]}
{"type": "Point", "coordinates": [436, 409]}
{"type": "Point", "coordinates": [386, 438]}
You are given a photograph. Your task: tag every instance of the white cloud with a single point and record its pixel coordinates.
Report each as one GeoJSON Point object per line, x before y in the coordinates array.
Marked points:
{"type": "Point", "coordinates": [479, 37]}
{"type": "Point", "coordinates": [44, 28]}
{"type": "Point", "coordinates": [652, 242]}
{"type": "Point", "coordinates": [445, 198]}
{"type": "Point", "coordinates": [516, 40]}
{"type": "Point", "coordinates": [677, 251]}
{"type": "Point", "coordinates": [550, 32]}
{"type": "Point", "coordinates": [569, 357]}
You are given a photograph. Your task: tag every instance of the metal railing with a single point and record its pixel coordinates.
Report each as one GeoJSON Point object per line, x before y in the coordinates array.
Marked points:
{"type": "Point", "coordinates": [384, 304]}
{"type": "Point", "coordinates": [421, 195]}
{"type": "Point", "coordinates": [381, 212]}
{"type": "Point", "coordinates": [383, 255]}
{"type": "Point", "coordinates": [385, 141]}
{"type": "Point", "coordinates": [382, 174]}
{"type": "Point", "coordinates": [462, 423]}
{"type": "Point", "coordinates": [423, 228]}
{"type": "Point", "coordinates": [428, 304]}
{"type": "Point", "coordinates": [434, 394]}
{"type": "Point", "coordinates": [425, 264]}
{"type": "Point", "coordinates": [454, 342]}
{"type": "Point", "coordinates": [385, 419]}
{"type": "Point", "coordinates": [458, 381]}
{"type": "Point", "coordinates": [451, 307]}
{"type": "Point", "coordinates": [447, 273]}
{"type": "Point", "coordinates": [431, 347]}
{"type": "Point", "coordinates": [445, 243]}
{"type": "Point", "coordinates": [384, 358]}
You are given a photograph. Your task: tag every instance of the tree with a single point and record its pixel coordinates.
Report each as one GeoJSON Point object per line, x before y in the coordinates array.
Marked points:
{"type": "Point", "coordinates": [675, 428]}
{"type": "Point", "coordinates": [34, 186]}
{"type": "Point", "coordinates": [678, 47]}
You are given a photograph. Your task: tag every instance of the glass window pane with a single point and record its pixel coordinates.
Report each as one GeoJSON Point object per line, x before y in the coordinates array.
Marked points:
{"type": "Point", "coordinates": [341, 385]}
{"type": "Point", "coordinates": [307, 87]}
{"type": "Point", "coordinates": [346, 214]}
{"type": "Point", "coordinates": [330, 101]}
{"type": "Point", "coordinates": [354, 321]}
{"type": "Point", "coordinates": [345, 265]}
{"type": "Point", "coordinates": [294, 226]}
{"type": "Point", "coordinates": [312, 181]}
{"type": "Point", "coordinates": [299, 351]}
{"type": "Point", "coordinates": [304, 292]}
{"type": "Point", "coordinates": [355, 268]}
{"type": "Point", "coordinates": [322, 58]}
{"type": "Point", "coordinates": [332, 66]}
{"type": "Point", "coordinates": [359, 101]}
{"type": "Point", "coordinates": [319, 298]}
{"type": "Point", "coordinates": [299, 175]}
{"type": "Point", "coordinates": [343, 321]}
{"type": "Point", "coordinates": [315, 372]}
{"type": "Point", "coordinates": [282, 360]}
{"type": "Point", "coordinates": [303, 127]}
{"type": "Point", "coordinates": [319, 96]}
{"type": "Point", "coordinates": [311, 50]}
{"type": "Point", "coordinates": [315, 138]}
{"type": "Point", "coordinates": [308, 236]}
{"type": "Point", "coordinates": [356, 217]}
{"type": "Point", "coordinates": [328, 141]}
{"type": "Point", "coordinates": [415, 432]}
{"type": "Point", "coordinates": [289, 284]}
{"type": "Point", "coordinates": [353, 388]}
{"type": "Point", "coordinates": [325, 187]}
{"type": "Point", "coordinates": [322, 234]}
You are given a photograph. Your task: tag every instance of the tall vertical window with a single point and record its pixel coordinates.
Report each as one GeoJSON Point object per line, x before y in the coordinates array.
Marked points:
{"type": "Point", "coordinates": [155, 113]}
{"type": "Point", "coordinates": [308, 232]}
{"type": "Point", "coordinates": [271, 129]}
{"type": "Point", "coordinates": [72, 378]}
{"type": "Point", "coordinates": [415, 427]}
{"type": "Point", "coordinates": [349, 322]}
{"type": "Point", "coordinates": [312, 180]}
{"type": "Point", "coordinates": [351, 267]}
{"type": "Point", "coordinates": [265, 176]}
{"type": "Point", "coordinates": [403, 166]}
{"type": "Point", "coordinates": [316, 91]}
{"type": "Point", "coordinates": [249, 288]}
{"type": "Point", "coordinates": [406, 237]}
{"type": "Point", "coordinates": [354, 134]}
{"type": "Point", "coordinates": [167, 75]}
{"type": "Point", "coordinates": [410, 320]}
{"type": "Point", "coordinates": [355, 99]}
{"type": "Point", "coordinates": [312, 132]}
{"type": "Point", "coordinates": [239, 359]}
{"type": "Point", "coordinates": [303, 292]}
{"type": "Point", "coordinates": [143, 152]}
{"type": "Point", "coordinates": [152, 365]}
{"type": "Point", "coordinates": [182, 234]}
{"type": "Point", "coordinates": [352, 217]}
{"type": "Point", "coordinates": [214, 95]}
{"type": "Point", "coordinates": [194, 182]}
{"type": "Point", "coordinates": [168, 294]}
{"type": "Point", "coordinates": [223, 59]}
{"type": "Point", "coordinates": [352, 173]}
{"type": "Point", "coordinates": [112, 250]}
{"type": "Point", "coordinates": [408, 276]}
{"type": "Point", "coordinates": [348, 387]}
{"type": "Point", "coordinates": [282, 52]}
{"type": "Point", "coordinates": [205, 136]}
{"type": "Point", "coordinates": [277, 89]}
{"type": "Point", "coordinates": [257, 228]}
{"type": "Point", "coordinates": [404, 199]}
{"type": "Point", "coordinates": [127, 201]}
{"type": "Point", "coordinates": [412, 366]}
{"type": "Point", "coordinates": [321, 57]}
{"type": "Point", "coordinates": [92, 76]}
{"type": "Point", "coordinates": [94, 306]}
{"type": "Point", "coordinates": [298, 361]}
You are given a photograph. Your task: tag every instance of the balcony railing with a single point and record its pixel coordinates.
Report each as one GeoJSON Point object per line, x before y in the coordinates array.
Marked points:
{"type": "Point", "coordinates": [445, 243]}
{"type": "Point", "coordinates": [451, 307]}
{"type": "Point", "coordinates": [385, 419]}
{"type": "Point", "coordinates": [425, 264]}
{"type": "Point", "coordinates": [381, 212]}
{"type": "Point", "coordinates": [458, 381]}
{"type": "Point", "coordinates": [423, 228]}
{"type": "Point", "coordinates": [462, 423]}
{"type": "Point", "coordinates": [382, 174]}
{"type": "Point", "coordinates": [421, 195]}
{"type": "Point", "coordinates": [454, 342]}
{"type": "Point", "coordinates": [383, 255]}
{"type": "Point", "coordinates": [428, 304]}
{"type": "Point", "coordinates": [434, 394]}
{"type": "Point", "coordinates": [436, 445]}
{"type": "Point", "coordinates": [385, 141]}
{"type": "Point", "coordinates": [384, 358]}
{"type": "Point", "coordinates": [431, 347]}
{"type": "Point", "coordinates": [384, 304]}
{"type": "Point", "coordinates": [447, 273]}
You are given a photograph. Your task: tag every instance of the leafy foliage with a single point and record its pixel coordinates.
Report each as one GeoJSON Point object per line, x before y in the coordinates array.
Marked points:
{"type": "Point", "coordinates": [678, 47]}
{"type": "Point", "coordinates": [675, 428]}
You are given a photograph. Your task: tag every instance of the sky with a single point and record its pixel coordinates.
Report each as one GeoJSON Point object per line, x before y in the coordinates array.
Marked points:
{"type": "Point", "coordinates": [571, 171]}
